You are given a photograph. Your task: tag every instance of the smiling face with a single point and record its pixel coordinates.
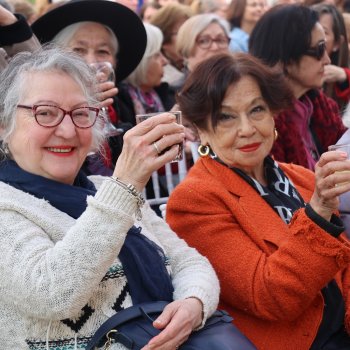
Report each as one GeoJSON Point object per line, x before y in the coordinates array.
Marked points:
{"type": "Point", "coordinates": [245, 132]}
{"type": "Point", "coordinates": [92, 41]}
{"type": "Point", "coordinates": [213, 31]}
{"type": "Point", "coordinates": [55, 153]}
{"type": "Point", "coordinates": [308, 73]}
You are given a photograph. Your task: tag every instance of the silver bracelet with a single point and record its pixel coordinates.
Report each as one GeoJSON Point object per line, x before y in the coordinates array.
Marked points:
{"type": "Point", "coordinates": [132, 190]}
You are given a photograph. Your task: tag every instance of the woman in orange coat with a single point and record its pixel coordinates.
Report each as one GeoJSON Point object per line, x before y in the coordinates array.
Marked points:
{"type": "Point", "coordinates": [270, 229]}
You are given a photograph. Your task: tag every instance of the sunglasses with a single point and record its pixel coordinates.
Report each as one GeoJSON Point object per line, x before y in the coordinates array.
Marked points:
{"type": "Point", "coordinates": [317, 51]}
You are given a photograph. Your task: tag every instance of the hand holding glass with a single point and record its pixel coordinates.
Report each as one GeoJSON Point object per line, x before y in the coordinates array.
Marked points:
{"type": "Point", "coordinates": [343, 148]}
{"type": "Point", "coordinates": [141, 117]}
{"type": "Point", "coordinates": [105, 72]}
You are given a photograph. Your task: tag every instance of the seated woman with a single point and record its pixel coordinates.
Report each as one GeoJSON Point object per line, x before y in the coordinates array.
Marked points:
{"type": "Point", "coordinates": [199, 38]}
{"type": "Point", "coordinates": [270, 229]}
{"type": "Point", "coordinates": [337, 74]}
{"type": "Point", "coordinates": [143, 91]}
{"type": "Point", "coordinates": [76, 250]}
{"type": "Point", "coordinates": [100, 31]}
{"type": "Point", "coordinates": [243, 16]}
{"type": "Point", "coordinates": [291, 38]}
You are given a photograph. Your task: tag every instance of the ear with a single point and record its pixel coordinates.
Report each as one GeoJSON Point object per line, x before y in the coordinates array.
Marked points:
{"type": "Point", "coordinates": [202, 135]}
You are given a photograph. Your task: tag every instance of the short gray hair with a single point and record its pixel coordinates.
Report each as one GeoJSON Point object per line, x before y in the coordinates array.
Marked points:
{"type": "Point", "coordinates": [191, 28]}
{"type": "Point", "coordinates": [49, 58]}
{"type": "Point", "coordinates": [154, 44]}
{"type": "Point", "coordinates": [63, 37]}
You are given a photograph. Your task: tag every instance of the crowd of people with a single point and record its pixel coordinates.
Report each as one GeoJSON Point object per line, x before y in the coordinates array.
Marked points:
{"type": "Point", "coordinates": [259, 227]}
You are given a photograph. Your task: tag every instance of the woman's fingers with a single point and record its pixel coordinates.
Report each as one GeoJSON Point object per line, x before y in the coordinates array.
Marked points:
{"type": "Point", "coordinates": [332, 178]}
{"type": "Point", "coordinates": [147, 147]}
{"type": "Point", "coordinates": [177, 321]}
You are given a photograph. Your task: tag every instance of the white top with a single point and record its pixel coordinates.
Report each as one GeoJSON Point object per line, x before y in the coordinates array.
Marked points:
{"type": "Point", "coordinates": [52, 266]}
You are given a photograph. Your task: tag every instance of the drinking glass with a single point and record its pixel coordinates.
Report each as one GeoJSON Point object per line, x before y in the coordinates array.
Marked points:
{"type": "Point", "coordinates": [105, 71]}
{"type": "Point", "coordinates": [341, 147]}
{"type": "Point", "coordinates": [141, 117]}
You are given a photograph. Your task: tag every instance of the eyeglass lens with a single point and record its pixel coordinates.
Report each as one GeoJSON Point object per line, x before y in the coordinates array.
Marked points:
{"type": "Point", "coordinates": [83, 117]}
{"type": "Point", "coordinates": [206, 41]}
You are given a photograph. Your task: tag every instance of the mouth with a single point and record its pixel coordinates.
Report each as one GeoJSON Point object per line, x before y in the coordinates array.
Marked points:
{"type": "Point", "coordinates": [250, 148]}
{"type": "Point", "coordinates": [60, 150]}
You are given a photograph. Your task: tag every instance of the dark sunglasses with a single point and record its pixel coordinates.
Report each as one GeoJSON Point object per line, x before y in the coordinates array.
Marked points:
{"type": "Point", "coordinates": [317, 51]}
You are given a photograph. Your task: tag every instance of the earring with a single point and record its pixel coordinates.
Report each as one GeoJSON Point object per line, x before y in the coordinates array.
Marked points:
{"type": "Point", "coordinates": [203, 150]}
{"type": "Point", "coordinates": [276, 134]}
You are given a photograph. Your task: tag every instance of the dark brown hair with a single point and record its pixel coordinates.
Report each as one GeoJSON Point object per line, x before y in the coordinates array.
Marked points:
{"type": "Point", "coordinates": [235, 12]}
{"type": "Point", "coordinates": [201, 97]}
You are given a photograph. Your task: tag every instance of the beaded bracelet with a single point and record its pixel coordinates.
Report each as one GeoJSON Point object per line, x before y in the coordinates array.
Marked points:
{"type": "Point", "coordinates": [132, 190]}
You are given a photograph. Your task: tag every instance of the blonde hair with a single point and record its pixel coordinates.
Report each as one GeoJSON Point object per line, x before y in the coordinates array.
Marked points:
{"type": "Point", "coordinates": [189, 31]}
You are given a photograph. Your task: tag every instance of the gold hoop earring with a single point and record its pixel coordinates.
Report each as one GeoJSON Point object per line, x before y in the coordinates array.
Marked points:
{"type": "Point", "coordinates": [203, 150]}
{"type": "Point", "coordinates": [276, 134]}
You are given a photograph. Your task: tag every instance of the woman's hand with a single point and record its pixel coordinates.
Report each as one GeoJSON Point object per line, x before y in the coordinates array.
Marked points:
{"type": "Point", "coordinates": [332, 176]}
{"type": "Point", "coordinates": [334, 74]}
{"type": "Point", "coordinates": [146, 149]}
{"type": "Point", "coordinates": [105, 93]}
{"type": "Point", "coordinates": [177, 320]}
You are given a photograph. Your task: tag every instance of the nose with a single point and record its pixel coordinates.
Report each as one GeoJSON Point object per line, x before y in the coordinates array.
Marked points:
{"type": "Point", "coordinates": [66, 129]}
{"type": "Point", "coordinates": [326, 59]}
{"type": "Point", "coordinates": [246, 128]}
{"type": "Point", "coordinates": [90, 57]}
{"type": "Point", "coordinates": [164, 60]}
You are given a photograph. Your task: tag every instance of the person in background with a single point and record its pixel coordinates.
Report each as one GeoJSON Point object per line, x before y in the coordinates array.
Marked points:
{"type": "Point", "coordinates": [337, 74]}
{"type": "Point", "coordinates": [291, 38]}
{"type": "Point", "coordinates": [77, 250]}
{"type": "Point", "coordinates": [201, 37]}
{"type": "Point", "coordinates": [243, 15]}
{"type": "Point", "coordinates": [100, 31]}
{"type": "Point", "coordinates": [269, 229]}
{"type": "Point", "coordinates": [148, 10]}
{"type": "Point", "coordinates": [169, 19]}
{"type": "Point", "coordinates": [26, 9]}
{"type": "Point", "coordinates": [15, 36]}
{"type": "Point", "coordinates": [346, 17]}
{"type": "Point", "coordinates": [218, 7]}
{"type": "Point", "coordinates": [143, 91]}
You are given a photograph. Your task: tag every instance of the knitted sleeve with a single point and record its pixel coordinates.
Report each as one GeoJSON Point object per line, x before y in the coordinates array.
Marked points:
{"type": "Point", "coordinates": [54, 280]}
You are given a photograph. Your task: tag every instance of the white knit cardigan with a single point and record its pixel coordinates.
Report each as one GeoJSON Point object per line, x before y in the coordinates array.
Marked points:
{"type": "Point", "coordinates": [55, 268]}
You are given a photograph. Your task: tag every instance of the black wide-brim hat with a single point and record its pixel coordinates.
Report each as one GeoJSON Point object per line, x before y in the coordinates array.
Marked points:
{"type": "Point", "coordinates": [126, 25]}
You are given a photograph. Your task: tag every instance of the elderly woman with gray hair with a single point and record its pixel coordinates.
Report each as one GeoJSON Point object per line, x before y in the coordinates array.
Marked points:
{"type": "Point", "coordinates": [201, 37]}
{"type": "Point", "coordinates": [77, 250]}
{"type": "Point", "coordinates": [143, 91]}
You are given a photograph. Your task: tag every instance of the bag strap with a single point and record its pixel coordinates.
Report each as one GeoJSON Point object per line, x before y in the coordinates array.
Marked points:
{"type": "Point", "coordinates": [128, 314]}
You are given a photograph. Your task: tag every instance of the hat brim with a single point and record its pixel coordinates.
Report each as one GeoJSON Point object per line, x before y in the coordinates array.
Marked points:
{"type": "Point", "coordinates": [126, 25]}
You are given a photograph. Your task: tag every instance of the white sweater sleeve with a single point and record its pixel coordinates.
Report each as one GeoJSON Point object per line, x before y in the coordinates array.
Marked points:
{"type": "Point", "coordinates": [55, 280]}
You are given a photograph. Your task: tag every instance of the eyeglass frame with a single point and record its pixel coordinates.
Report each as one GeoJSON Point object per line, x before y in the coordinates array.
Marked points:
{"type": "Point", "coordinates": [316, 52]}
{"type": "Point", "coordinates": [65, 112]}
{"type": "Point", "coordinates": [212, 41]}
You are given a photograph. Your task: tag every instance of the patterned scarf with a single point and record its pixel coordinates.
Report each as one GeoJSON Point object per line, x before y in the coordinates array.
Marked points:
{"type": "Point", "coordinates": [280, 193]}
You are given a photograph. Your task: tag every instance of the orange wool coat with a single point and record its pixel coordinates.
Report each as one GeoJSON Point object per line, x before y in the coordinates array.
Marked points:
{"type": "Point", "coordinates": [271, 274]}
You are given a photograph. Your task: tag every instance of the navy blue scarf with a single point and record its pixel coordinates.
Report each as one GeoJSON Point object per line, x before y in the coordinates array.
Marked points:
{"type": "Point", "coordinates": [143, 261]}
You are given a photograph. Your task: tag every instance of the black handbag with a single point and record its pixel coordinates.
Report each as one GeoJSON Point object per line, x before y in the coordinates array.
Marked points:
{"type": "Point", "coordinates": [133, 328]}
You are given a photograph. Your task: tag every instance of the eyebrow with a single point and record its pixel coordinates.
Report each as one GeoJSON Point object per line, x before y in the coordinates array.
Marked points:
{"type": "Point", "coordinates": [257, 99]}
{"type": "Point", "coordinates": [85, 43]}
